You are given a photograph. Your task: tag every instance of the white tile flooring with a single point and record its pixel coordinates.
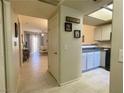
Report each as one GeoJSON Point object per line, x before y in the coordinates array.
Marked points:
{"type": "Point", "coordinates": [34, 78]}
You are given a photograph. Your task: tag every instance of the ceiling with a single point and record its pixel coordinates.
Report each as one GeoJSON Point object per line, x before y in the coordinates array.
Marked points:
{"type": "Point", "coordinates": [33, 8]}
{"type": "Point", "coordinates": [86, 6]}
{"type": "Point", "coordinates": [99, 17]}
{"type": "Point", "coordinates": [39, 9]}
{"type": "Point", "coordinates": [33, 24]}
{"type": "Point", "coordinates": [92, 21]}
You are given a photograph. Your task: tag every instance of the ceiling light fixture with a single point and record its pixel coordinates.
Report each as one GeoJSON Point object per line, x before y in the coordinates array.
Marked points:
{"type": "Point", "coordinates": [102, 14]}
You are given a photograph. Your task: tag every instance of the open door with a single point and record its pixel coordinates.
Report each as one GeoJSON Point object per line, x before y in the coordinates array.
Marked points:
{"type": "Point", "coordinates": [53, 63]}
{"type": "Point", "coordinates": [2, 65]}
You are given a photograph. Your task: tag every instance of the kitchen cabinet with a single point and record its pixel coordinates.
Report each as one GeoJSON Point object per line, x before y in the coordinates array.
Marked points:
{"type": "Point", "coordinates": [90, 60]}
{"type": "Point", "coordinates": [98, 34]}
{"type": "Point", "coordinates": [106, 32]}
{"type": "Point", "coordinates": [96, 59]}
{"type": "Point", "coordinates": [83, 65]}
{"type": "Point", "coordinates": [103, 33]}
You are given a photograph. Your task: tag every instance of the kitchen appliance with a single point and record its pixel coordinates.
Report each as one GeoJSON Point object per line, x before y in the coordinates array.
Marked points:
{"type": "Point", "coordinates": [107, 59]}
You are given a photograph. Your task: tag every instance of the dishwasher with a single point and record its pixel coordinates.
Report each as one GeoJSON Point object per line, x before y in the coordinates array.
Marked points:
{"type": "Point", "coordinates": [107, 59]}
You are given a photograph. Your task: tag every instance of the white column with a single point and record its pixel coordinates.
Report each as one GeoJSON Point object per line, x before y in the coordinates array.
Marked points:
{"type": "Point", "coordinates": [2, 65]}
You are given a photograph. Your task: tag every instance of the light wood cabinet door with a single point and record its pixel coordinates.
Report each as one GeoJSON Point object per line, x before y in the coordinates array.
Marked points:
{"type": "Point", "coordinates": [103, 33]}
{"type": "Point", "coordinates": [98, 34]}
{"type": "Point", "coordinates": [106, 31]}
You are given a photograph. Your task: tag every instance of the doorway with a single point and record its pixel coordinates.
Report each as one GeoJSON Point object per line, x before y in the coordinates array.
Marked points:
{"type": "Point", "coordinates": [34, 73]}
{"type": "Point", "coordinates": [96, 47]}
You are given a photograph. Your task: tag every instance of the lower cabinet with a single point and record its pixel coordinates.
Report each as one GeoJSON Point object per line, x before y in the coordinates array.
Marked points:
{"type": "Point", "coordinates": [90, 60]}
{"type": "Point", "coordinates": [96, 59]}
{"type": "Point", "coordinates": [84, 65]}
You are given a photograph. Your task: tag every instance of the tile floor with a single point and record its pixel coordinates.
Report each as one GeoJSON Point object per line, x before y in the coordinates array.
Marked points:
{"type": "Point", "coordinates": [34, 78]}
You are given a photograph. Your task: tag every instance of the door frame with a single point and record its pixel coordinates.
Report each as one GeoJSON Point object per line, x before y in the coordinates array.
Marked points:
{"type": "Point", "coordinates": [4, 44]}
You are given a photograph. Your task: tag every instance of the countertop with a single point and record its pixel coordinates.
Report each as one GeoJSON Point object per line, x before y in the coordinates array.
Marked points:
{"type": "Point", "coordinates": [89, 46]}
{"type": "Point", "coordinates": [93, 48]}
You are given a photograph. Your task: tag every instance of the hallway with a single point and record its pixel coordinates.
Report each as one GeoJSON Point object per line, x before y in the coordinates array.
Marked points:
{"type": "Point", "coordinates": [35, 79]}
{"type": "Point", "coordinates": [64, 18]}
{"type": "Point", "coordinates": [34, 75]}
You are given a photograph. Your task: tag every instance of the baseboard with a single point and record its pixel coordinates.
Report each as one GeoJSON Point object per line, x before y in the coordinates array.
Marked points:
{"type": "Point", "coordinates": [53, 77]}
{"type": "Point", "coordinates": [11, 91]}
{"type": "Point", "coordinates": [68, 82]}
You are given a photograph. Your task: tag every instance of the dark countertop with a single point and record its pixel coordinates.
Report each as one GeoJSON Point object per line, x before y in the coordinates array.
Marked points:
{"type": "Point", "coordinates": [93, 49]}
{"type": "Point", "coordinates": [90, 50]}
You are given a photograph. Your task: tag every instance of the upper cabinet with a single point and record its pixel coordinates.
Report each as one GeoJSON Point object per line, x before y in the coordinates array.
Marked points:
{"type": "Point", "coordinates": [98, 34]}
{"type": "Point", "coordinates": [106, 32]}
{"type": "Point", "coordinates": [103, 33]}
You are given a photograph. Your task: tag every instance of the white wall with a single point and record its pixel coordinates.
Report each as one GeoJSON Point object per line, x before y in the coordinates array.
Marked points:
{"type": "Point", "coordinates": [15, 48]}
{"type": "Point", "coordinates": [70, 48]}
{"type": "Point", "coordinates": [116, 75]}
{"type": "Point", "coordinates": [12, 52]}
{"type": "Point", "coordinates": [2, 65]}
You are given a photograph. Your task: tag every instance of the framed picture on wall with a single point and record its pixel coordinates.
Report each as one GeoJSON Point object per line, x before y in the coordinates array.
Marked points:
{"type": "Point", "coordinates": [68, 27]}
{"type": "Point", "coordinates": [77, 33]}
{"type": "Point", "coordinates": [16, 30]}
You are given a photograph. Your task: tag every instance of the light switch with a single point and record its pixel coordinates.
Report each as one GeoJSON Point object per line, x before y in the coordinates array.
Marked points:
{"type": "Point", "coordinates": [120, 55]}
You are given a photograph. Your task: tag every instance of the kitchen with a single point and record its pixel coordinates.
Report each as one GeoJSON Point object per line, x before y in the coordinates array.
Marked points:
{"type": "Point", "coordinates": [96, 39]}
